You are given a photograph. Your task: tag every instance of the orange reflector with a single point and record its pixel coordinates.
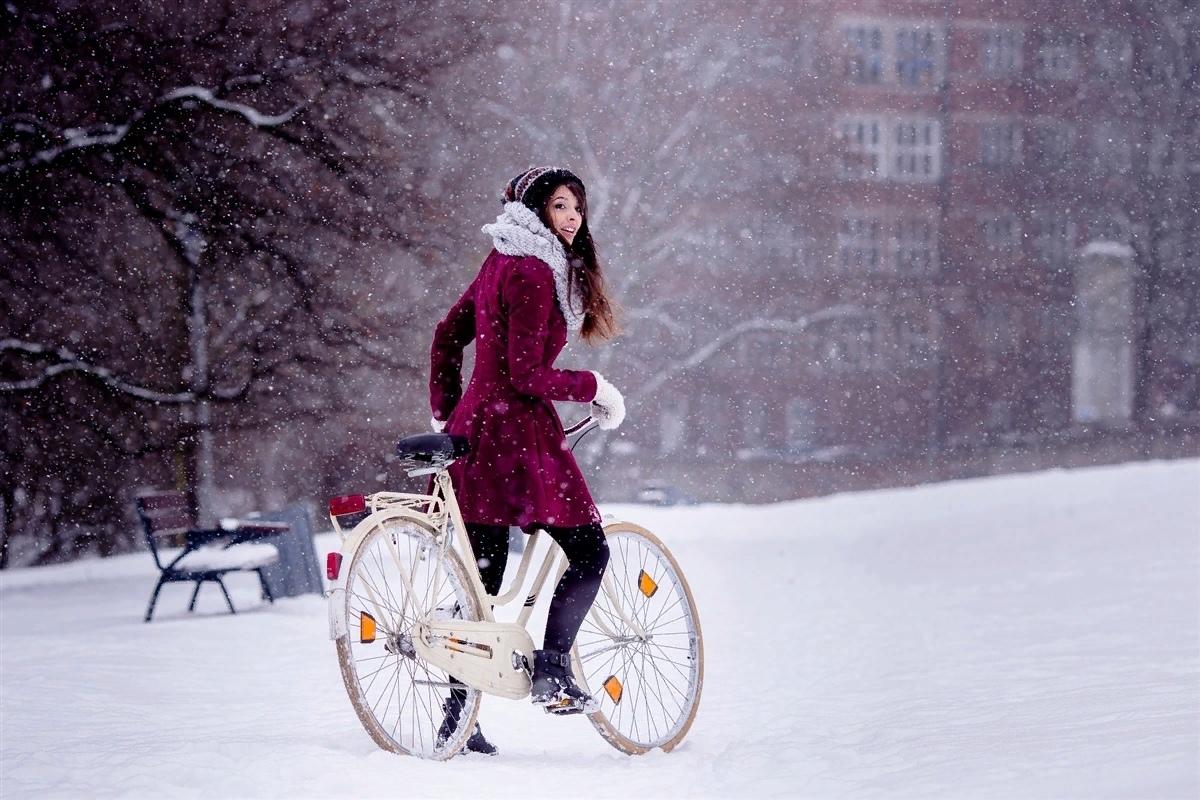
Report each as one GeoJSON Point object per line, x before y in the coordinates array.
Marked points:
{"type": "Point", "coordinates": [647, 584]}
{"type": "Point", "coordinates": [366, 628]}
{"type": "Point", "coordinates": [612, 686]}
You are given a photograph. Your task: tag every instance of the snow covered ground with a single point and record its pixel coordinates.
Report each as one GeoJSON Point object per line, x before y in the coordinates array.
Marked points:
{"type": "Point", "coordinates": [1033, 636]}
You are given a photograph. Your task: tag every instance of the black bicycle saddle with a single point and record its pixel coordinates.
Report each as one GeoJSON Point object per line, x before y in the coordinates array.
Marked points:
{"type": "Point", "coordinates": [435, 449]}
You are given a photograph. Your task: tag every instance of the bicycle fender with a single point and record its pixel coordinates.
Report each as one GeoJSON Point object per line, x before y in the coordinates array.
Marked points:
{"type": "Point", "coordinates": [337, 619]}
{"type": "Point", "coordinates": [337, 588]}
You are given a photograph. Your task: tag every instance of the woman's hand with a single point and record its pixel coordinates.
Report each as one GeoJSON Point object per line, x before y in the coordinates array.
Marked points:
{"type": "Point", "coordinates": [608, 406]}
{"type": "Point", "coordinates": [437, 425]}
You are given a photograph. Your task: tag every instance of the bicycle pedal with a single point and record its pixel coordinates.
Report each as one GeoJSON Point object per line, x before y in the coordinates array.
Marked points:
{"type": "Point", "coordinates": [563, 708]}
{"type": "Point", "coordinates": [568, 706]}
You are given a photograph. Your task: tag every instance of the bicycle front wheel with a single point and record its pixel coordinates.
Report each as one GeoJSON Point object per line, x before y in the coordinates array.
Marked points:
{"type": "Point", "coordinates": [396, 577]}
{"type": "Point", "coordinates": [646, 681]}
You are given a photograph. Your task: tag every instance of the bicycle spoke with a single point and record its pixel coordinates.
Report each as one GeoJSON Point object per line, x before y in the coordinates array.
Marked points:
{"type": "Point", "coordinates": [660, 672]}
{"type": "Point", "coordinates": [402, 578]}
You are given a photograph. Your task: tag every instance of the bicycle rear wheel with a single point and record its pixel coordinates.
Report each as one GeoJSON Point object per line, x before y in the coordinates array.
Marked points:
{"type": "Point", "coordinates": [398, 696]}
{"type": "Point", "coordinates": [648, 688]}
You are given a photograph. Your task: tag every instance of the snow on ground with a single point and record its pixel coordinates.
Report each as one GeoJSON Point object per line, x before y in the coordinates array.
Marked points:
{"type": "Point", "coordinates": [1033, 636]}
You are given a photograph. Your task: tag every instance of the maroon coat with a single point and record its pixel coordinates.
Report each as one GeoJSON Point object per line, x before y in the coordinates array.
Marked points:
{"type": "Point", "coordinates": [520, 470]}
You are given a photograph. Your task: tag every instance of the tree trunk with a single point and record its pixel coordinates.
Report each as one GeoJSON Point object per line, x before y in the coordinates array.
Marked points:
{"type": "Point", "coordinates": [200, 471]}
{"type": "Point", "coordinates": [10, 516]}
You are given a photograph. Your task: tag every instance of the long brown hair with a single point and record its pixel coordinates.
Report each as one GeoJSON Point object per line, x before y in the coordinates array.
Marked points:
{"type": "Point", "coordinates": [584, 275]}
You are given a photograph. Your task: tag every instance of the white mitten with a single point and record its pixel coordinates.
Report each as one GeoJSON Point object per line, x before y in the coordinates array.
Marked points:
{"type": "Point", "coordinates": [437, 425]}
{"type": "Point", "coordinates": [608, 407]}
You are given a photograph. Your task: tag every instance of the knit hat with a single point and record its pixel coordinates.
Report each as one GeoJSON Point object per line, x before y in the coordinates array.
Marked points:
{"type": "Point", "coordinates": [533, 185]}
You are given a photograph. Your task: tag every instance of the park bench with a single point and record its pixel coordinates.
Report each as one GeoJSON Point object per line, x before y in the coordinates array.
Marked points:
{"type": "Point", "coordinates": [207, 554]}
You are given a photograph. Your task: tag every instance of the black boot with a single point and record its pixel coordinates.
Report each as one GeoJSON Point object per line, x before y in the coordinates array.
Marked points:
{"type": "Point", "coordinates": [554, 686]}
{"type": "Point", "coordinates": [476, 742]}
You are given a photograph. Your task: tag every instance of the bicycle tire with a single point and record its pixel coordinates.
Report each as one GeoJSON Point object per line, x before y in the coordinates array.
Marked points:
{"type": "Point", "coordinates": [658, 682]}
{"type": "Point", "coordinates": [397, 695]}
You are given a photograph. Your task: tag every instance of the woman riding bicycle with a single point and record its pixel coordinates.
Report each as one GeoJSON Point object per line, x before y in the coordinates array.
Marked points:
{"type": "Point", "coordinates": [541, 281]}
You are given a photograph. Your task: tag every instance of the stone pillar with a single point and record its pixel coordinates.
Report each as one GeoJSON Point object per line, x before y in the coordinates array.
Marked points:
{"type": "Point", "coordinates": [1103, 369]}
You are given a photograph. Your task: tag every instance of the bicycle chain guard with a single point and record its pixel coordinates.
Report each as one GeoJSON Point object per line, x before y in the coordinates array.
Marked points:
{"type": "Point", "coordinates": [484, 655]}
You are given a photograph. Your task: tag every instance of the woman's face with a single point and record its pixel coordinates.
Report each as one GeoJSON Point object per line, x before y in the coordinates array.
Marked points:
{"type": "Point", "coordinates": [564, 213]}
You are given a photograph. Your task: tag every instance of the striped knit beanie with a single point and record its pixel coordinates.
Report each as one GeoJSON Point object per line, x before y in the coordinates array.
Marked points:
{"type": "Point", "coordinates": [534, 185]}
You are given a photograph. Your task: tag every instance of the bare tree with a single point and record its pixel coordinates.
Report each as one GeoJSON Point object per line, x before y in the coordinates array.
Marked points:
{"type": "Point", "coordinates": [204, 198]}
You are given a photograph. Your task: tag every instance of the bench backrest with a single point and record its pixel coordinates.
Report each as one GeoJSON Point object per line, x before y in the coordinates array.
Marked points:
{"type": "Point", "coordinates": [164, 514]}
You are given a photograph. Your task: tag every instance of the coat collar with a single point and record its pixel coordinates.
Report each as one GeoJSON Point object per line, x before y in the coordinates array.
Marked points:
{"type": "Point", "coordinates": [519, 232]}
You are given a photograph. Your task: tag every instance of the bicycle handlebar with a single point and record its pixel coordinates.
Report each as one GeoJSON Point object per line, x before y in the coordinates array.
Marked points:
{"type": "Point", "coordinates": [579, 426]}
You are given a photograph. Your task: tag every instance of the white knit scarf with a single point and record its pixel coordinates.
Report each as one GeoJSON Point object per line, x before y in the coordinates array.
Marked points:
{"type": "Point", "coordinates": [519, 232]}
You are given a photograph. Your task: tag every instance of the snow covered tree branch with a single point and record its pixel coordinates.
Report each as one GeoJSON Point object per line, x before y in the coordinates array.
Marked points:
{"type": "Point", "coordinates": [66, 361]}
{"type": "Point", "coordinates": [21, 155]}
{"type": "Point", "coordinates": [783, 327]}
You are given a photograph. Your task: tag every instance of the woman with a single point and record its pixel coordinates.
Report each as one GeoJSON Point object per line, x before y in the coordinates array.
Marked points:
{"type": "Point", "coordinates": [540, 282]}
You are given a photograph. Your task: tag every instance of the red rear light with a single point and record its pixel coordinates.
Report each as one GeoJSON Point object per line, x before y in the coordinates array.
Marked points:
{"type": "Point", "coordinates": [333, 565]}
{"type": "Point", "coordinates": [347, 504]}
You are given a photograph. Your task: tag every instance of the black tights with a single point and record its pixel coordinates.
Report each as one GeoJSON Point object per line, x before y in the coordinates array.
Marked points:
{"type": "Point", "coordinates": [587, 556]}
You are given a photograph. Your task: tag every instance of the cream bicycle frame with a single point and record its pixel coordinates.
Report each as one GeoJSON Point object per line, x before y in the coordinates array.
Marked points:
{"type": "Point", "coordinates": [439, 512]}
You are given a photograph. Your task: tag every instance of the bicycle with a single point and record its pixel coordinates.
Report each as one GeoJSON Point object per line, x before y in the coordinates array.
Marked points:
{"type": "Point", "coordinates": [412, 621]}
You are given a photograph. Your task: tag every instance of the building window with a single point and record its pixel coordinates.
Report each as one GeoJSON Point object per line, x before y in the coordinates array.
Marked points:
{"type": "Point", "coordinates": [1000, 52]}
{"type": "Point", "coordinates": [1161, 63]}
{"type": "Point", "coordinates": [882, 52]}
{"type": "Point", "coordinates": [916, 156]}
{"type": "Point", "coordinates": [860, 244]}
{"type": "Point", "coordinates": [914, 246]}
{"type": "Point", "coordinates": [864, 147]}
{"type": "Point", "coordinates": [786, 245]}
{"type": "Point", "coordinates": [801, 425]}
{"type": "Point", "coordinates": [1000, 145]}
{"type": "Point", "coordinates": [851, 344]}
{"type": "Point", "coordinates": [1001, 233]}
{"type": "Point", "coordinates": [1112, 55]}
{"type": "Point", "coordinates": [1052, 145]}
{"type": "Point", "coordinates": [878, 341]}
{"type": "Point", "coordinates": [864, 52]}
{"type": "Point", "coordinates": [997, 331]}
{"type": "Point", "coordinates": [914, 340]}
{"type": "Point", "coordinates": [918, 55]}
{"type": "Point", "coordinates": [804, 50]}
{"type": "Point", "coordinates": [1001, 236]}
{"type": "Point", "coordinates": [1166, 153]}
{"type": "Point", "coordinates": [1056, 56]}
{"type": "Point", "coordinates": [1112, 148]}
{"type": "Point", "coordinates": [905, 149]}
{"type": "Point", "coordinates": [1053, 241]}
{"type": "Point", "coordinates": [876, 243]}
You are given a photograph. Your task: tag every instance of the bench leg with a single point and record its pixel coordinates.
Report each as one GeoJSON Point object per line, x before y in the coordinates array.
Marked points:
{"type": "Point", "coordinates": [224, 591]}
{"type": "Point", "coordinates": [154, 599]}
{"type": "Point", "coordinates": [266, 590]}
{"type": "Point", "coordinates": [195, 594]}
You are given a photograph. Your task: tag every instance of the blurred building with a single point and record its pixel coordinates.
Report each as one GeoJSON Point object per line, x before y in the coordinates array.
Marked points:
{"type": "Point", "coordinates": [993, 211]}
